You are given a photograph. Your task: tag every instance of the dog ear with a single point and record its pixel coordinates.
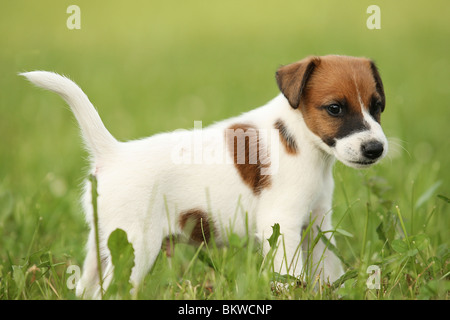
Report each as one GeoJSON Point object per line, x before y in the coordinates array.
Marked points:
{"type": "Point", "coordinates": [378, 84]}
{"type": "Point", "coordinates": [292, 79]}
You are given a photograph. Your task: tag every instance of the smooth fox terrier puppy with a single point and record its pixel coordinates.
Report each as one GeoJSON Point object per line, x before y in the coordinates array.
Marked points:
{"type": "Point", "coordinates": [272, 165]}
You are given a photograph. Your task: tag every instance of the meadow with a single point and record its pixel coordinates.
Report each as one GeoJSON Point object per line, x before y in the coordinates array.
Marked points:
{"type": "Point", "coordinates": [153, 66]}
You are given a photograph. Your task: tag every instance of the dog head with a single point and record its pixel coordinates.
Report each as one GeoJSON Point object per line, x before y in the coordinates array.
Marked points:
{"type": "Point", "coordinates": [341, 99]}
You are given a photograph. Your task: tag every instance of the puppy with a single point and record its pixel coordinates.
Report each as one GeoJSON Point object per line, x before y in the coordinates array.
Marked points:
{"type": "Point", "coordinates": [272, 165]}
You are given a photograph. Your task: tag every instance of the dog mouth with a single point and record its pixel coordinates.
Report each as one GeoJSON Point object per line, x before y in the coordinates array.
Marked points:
{"type": "Point", "coordinates": [362, 163]}
{"type": "Point", "coordinates": [357, 153]}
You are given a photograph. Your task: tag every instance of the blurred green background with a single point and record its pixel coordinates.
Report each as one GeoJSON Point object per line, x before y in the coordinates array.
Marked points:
{"type": "Point", "coordinates": [152, 66]}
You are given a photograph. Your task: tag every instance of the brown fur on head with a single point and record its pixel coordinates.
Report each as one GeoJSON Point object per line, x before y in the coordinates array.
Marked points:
{"type": "Point", "coordinates": [314, 84]}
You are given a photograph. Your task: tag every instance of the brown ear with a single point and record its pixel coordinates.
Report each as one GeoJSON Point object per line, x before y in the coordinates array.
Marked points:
{"type": "Point", "coordinates": [292, 79]}
{"type": "Point", "coordinates": [378, 84]}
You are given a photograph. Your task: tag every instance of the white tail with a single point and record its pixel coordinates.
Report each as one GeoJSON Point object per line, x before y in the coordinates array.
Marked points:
{"type": "Point", "coordinates": [97, 138]}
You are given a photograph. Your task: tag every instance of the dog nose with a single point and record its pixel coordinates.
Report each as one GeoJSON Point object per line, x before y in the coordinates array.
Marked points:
{"type": "Point", "coordinates": [372, 149]}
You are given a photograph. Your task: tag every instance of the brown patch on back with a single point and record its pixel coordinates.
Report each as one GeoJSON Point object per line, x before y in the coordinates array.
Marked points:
{"type": "Point", "coordinates": [244, 144]}
{"type": "Point", "coordinates": [286, 138]}
{"type": "Point", "coordinates": [342, 80]}
{"type": "Point", "coordinates": [197, 224]}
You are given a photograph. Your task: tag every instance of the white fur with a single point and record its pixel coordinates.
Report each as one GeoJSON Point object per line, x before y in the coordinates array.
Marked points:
{"type": "Point", "coordinates": [348, 149]}
{"type": "Point", "coordinates": [143, 185]}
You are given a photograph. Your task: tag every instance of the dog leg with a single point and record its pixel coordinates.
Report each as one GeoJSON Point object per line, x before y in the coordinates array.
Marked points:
{"type": "Point", "coordinates": [145, 254]}
{"type": "Point", "coordinates": [287, 258]}
{"type": "Point", "coordinates": [319, 259]}
{"type": "Point", "coordinates": [88, 285]}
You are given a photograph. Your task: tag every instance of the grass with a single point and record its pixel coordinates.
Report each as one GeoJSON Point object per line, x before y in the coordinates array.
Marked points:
{"type": "Point", "coordinates": [152, 66]}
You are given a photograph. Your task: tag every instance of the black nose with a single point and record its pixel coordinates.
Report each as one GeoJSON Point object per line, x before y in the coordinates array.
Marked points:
{"type": "Point", "coordinates": [372, 149]}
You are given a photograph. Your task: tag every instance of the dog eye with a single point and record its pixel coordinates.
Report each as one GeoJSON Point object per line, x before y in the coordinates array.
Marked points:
{"type": "Point", "coordinates": [334, 109]}
{"type": "Point", "coordinates": [376, 108]}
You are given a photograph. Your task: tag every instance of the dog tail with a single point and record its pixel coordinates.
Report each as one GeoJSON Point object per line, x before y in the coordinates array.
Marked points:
{"type": "Point", "coordinates": [97, 138]}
